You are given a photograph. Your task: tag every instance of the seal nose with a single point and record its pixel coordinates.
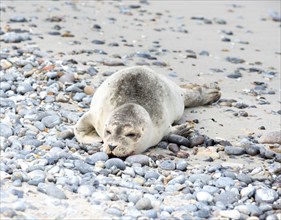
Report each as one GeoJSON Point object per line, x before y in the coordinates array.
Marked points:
{"type": "Point", "coordinates": [112, 146]}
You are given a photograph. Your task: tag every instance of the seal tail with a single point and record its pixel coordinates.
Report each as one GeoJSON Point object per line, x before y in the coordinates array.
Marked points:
{"type": "Point", "coordinates": [196, 95]}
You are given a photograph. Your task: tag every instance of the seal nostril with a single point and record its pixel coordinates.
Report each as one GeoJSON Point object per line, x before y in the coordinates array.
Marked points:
{"type": "Point", "coordinates": [112, 147]}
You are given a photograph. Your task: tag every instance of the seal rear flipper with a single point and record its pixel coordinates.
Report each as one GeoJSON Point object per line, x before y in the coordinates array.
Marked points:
{"type": "Point", "coordinates": [84, 130]}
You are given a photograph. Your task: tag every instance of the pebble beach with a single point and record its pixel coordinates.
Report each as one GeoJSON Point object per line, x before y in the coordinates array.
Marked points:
{"type": "Point", "coordinates": [55, 54]}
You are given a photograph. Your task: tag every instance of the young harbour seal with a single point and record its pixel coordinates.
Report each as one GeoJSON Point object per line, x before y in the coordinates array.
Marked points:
{"type": "Point", "coordinates": [135, 108]}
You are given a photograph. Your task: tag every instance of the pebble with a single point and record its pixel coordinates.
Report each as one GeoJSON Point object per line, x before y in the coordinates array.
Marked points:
{"type": "Point", "coordinates": [181, 165]}
{"type": "Point", "coordinates": [138, 158]}
{"type": "Point", "coordinates": [204, 197]}
{"type": "Point", "coordinates": [235, 60]}
{"type": "Point", "coordinates": [167, 165]}
{"type": "Point", "coordinates": [144, 204]}
{"type": "Point", "coordinates": [51, 121]}
{"type": "Point", "coordinates": [231, 150]}
{"type": "Point", "coordinates": [15, 37]}
{"type": "Point", "coordinates": [5, 64]}
{"type": "Point", "coordinates": [227, 197]}
{"type": "Point", "coordinates": [198, 140]}
{"type": "Point", "coordinates": [115, 162]}
{"type": "Point", "coordinates": [177, 139]}
{"type": "Point", "coordinates": [83, 167]}
{"type": "Point", "coordinates": [273, 137]}
{"type": "Point", "coordinates": [99, 156]}
{"type": "Point", "coordinates": [244, 178]}
{"type": "Point", "coordinates": [85, 190]}
{"type": "Point", "coordinates": [265, 194]}
{"type": "Point", "coordinates": [232, 214]}
{"type": "Point", "coordinates": [51, 190]}
{"type": "Point", "coordinates": [5, 130]}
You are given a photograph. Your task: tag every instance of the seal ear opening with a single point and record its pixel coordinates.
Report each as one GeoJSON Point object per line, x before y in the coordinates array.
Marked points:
{"type": "Point", "coordinates": [85, 132]}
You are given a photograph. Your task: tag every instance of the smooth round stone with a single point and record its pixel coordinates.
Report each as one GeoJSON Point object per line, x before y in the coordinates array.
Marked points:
{"type": "Point", "coordinates": [51, 190]}
{"type": "Point", "coordinates": [248, 191]}
{"type": "Point", "coordinates": [18, 18]}
{"type": "Point", "coordinates": [204, 197]}
{"type": "Point", "coordinates": [227, 197]}
{"type": "Point", "coordinates": [134, 197]}
{"type": "Point", "coordinates": [5, 130]}
{"type": "Point", "coordinates": [230, 150]}
{"type": "Point", "coordinates": [254, 210]}
{"type": "Point", "coordinates": [19, 205]}
{"type": "Point", "coordinates": [36, 177]}
{"type": "Point", "coordinates": [181, 165]}
{"type": "Point", "coordinates": [198, 140]}
{"type": "Point", "coordinates": [210, 189]}
{"type": "Point", "coordinates": [162, 144]}
{"type": "Point", "coordinates": [99, 156]}
{"type": "Point", "coordinates": [232, 214]}
{"type": "Point", "coordinates": [244, 178]}
{"type": "Point", "coordinates": [115, 162]}
{"type": "Point", "coordinates": [168, 165]}
{"type": "Point", "coordinates": [17, 183]}
{"type": "Point", "coordinates": [139, 170]}
{"type": "Point", "coordinates": [272, 137]}
{"type": "Point", "coordinates": [177, 139]}
{"type": "Point", "coordinates": [114, 211]}
{"type": "Point", "coordinates": [223, 182]}
{"type": "Point", "coordinates": [5, 86]}
{"type": "Point", "coordinates": [151, 175]}
{"type": "Point", "coordinates": [139, 158]}
{"type": "Point", "coordinates": [173, 147]}
{"type": "Point", "coordinates": [243, 209]}
{"type": "Point", "coordinates": [83, 167]}
{"type": "Point", "coordinates": [204, 178]}
{"type": "Point", "coordinates": [24, 88]}
{"type": "Point", "coordinates": [266, 194]}
{"type": "Point", "coordinates": [252, 150]}
{"type": "Point", "coordinates": [39, 125]}
{"type": "Point", "coordinates": [144, 204]}
{"type": "Point", "coordinates": [79, 96]}
{"type": "Point", "coordinates": [67, 78]}
{"type": "Point", "coordinates": [86, 190]}
{"type": "Point", "coordinates": [51, 121]}
{"type": "Point", "coordinates": [5, 64]}
{"type": "Point", "coordinates": [152, 214]}
{"type": "Point", "coordinates": [177, 180]}
{"type": "Point", "coordinates": [202, 213]}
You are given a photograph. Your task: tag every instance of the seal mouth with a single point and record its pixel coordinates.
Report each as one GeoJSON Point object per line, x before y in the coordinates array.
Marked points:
{"type": "Point", "coordinates": [111, 155]}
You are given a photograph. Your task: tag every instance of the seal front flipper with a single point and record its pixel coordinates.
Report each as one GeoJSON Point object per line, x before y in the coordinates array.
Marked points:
{"type": "Point", "coordinates": [84, 130]}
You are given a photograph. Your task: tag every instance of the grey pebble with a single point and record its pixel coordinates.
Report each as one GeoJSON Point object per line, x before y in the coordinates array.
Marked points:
{"type": "Point", "coordinates": [151, 175]}
{"type": "Point", "coordinates": [98, 42]}
{"type": "Point", "coordinates": [18, 18]}
{"type": "Point", "coordinates": [254, 209]}
{"type": "Point", "coordinates": [223, 182]}
{"type": "Point", "coordinates": [51, 190]}
{"type": "Point", "coordinates": [162, 144]}
{"type": "Point", "coordinates": [51, 120]}
{"type": "Point", "coordinates": [181, 165]}
{"type": "Point", "coordinates": [144, 204]}
{"type": "Point", "coordinates": [16, 37]}
{"type": "Point", "coordinates": [231, 150]}
{"type": "Point", "coordinates": [227, 197]}
{"type": "Point", "coordinates": [177, 139]}
{"type": "Point", "coordinates": [204, 178]}
{"type": "Point", "coordinates": [19, 205]}
{"type": "Point", "coordinates": [252, 150]}
{"type": "Point", "coordinates": [265, 194]}
{"type": "Point", "coordinates": [134, 197]}
{"type": "Point", "coordinates": [115, 162]}
{"type": "Point", "coordinates": [197, 140]}
{"type": "Point", "coordinates": [114, 211]}
{"type": "Point", "coordinates": [24, 88]}
{"type": "Point", "coordinates": [39, 125]}
{"type": "Point", "coordinates": [5, 130]}
{"type": "Point", "coordinates": [244, 178]}
{"type": "Point", "coordinates": [99, 156]}
{"type": "Point", "coordinates": [85, 190]}
{"type": "Point", "coordinates": [83, 167]}
{"type": "Point", "coordinates": [173, 147]}
{"type": "Point", "coordinates": [167, 165]}
{"type": "Point", "coordinates": [152, 214]}
{"type": "Point", "coordinates": [234, 75]}
{"type": "Point", "coordinates": [138, 158]}
{"type": "Point", "coordinates": [235, 60]}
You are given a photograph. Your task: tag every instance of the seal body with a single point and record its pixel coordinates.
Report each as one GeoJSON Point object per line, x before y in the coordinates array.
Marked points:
{"type": "Point", "coordinates": [131, 111]}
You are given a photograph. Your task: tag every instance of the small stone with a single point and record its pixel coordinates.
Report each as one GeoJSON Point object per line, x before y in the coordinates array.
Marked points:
{"type": "Point", "coordinates": [198, 140]}
{"type": "Point", "coordinates": [151, 175]}
{"type": "Point", "coordinates": [67, 78]}
{"type": "Point", "coordinates": [114, 211]}
{"type": "Point", "coordinates": [19, 205]}
{"type": "Point", "coordinates": [231, 214]}
{"type": "Point", "coordinates": [181, 165]}
{"type": "Point", "coordinates": [99, 156]}
{"type": "Point", "coordinates": [138, 158]}
{"type": "Point", "coordinates": [18, 18]}
{"type": "Point", "coordinates": [162, 144]}
{"type": "Point", "coordinates": [12, 37]}
{"type": "Point", "coordinates": [244, 178]}
{"type": "Point", "coordinates": [235, 75]}
{"type": "Point", "coordinates": [252, 150]}
{"type": "Point", "coordinates": [273, 137]}
{"type": "Point", "coordinates": [204, 197]}
{"type": "Point", "coordinates": [83, 167]}
{"type": "Point", "coordinates": [223, 182]}
{"type": "Point", "coordinates": [235, 60]}
{"type": "Point", "coordinates": [230, 150]}
{"type": "Point", "coordinates": [115, 162]}
{"type": "Point", "coordinates": [266, 194]}
{"type": "Point", "coordinates": [248, 191]}
{"type": "Point", "coordinates": [177, 139]}
{"type": "Point", "coordinates": [227, 197]}
{"type": "Point", "coordinates": [98, 42]}
{"type": "Point", "coordinates": [173, 147]}
{"type": "Point", "coordinates": [86, 190]}
{"type": "Point", "coordinates": [51, 190]}
{"type": "Point", "coordinates": [167, 165]}
{"type": "Point", "coordinates": [134, 197]}
{"type": "Point", "coordinates": [51, 120]}
{"type": "Point", "coordinates": [5, 130]}
{"type": "Point", "coordinates": [5, 64]}
{"type": "Point", "coordinates": [144, 204]}
{"type": "Point", "coordinates": [24, 88]}
{"type": "Point", "coordinates": [89, 90]}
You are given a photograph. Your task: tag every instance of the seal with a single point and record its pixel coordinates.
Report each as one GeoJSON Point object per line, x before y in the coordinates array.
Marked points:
{"type": "Point", "coordinates": [135, 108]}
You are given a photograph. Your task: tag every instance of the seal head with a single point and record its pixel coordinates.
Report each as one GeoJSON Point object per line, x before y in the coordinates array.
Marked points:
{"type": "Point", "coordinates": [127, 131]}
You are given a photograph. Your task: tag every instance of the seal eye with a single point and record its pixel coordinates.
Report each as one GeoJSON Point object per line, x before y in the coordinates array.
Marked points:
{"type": "Point", "coordinates": [131, 135]}
{"type": "Point", "coordinates": [107, 132]}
